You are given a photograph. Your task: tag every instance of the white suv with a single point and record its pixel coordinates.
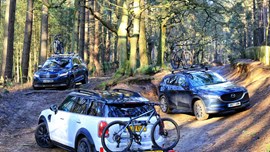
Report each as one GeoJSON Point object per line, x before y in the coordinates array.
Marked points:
{"type": "Point", "coordinates": [77, 124]}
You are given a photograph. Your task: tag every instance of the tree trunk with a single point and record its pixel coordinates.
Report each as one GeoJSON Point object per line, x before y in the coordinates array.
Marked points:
{"type": "Point", "coordinates": [142, 40]}
{"type": "Point", "coordinates": [87, 31]}
{"type": "Point", "coordinates": [162, 43]}
{"type": "Point", "coordinates": [98, 70]}
{"type": "Point", "coordinates": [82, 29]}
{"type": "Point", "coordinates": [122, 38]}
{"type": "Point", "coordinates": [44, 35]}
{"type": "Point", "coordinates": [9, 40]}
{"type": "Point", "coordinates": [92, 37]}
{"type": "Point", "coordinates": [27, 40]}
{"type": "Point", "coordinates": [135, 36]}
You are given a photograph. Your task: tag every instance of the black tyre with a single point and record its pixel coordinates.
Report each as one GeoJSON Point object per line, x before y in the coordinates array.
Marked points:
{"type": "Point", "coordinates": [71, 83]}
{"type": "Point", "coordinates": [84, 145]}
{"type": "Point", "coordinates": [42, 136]}
{"type": "Point", "coordinates": [164, 105]}
{"type": "Point", "coordinates": [187, 59]}
{"type": "Point", "coordinates": [116, 137]}
{"type": "Point", "coordinates": [85, 79]}
{"type": "Point", "coordinates": [165, 134]}
{"type": "Point", "coordinates": [199, 110]}
{"type": "Point", "coordinates": [176, 60]}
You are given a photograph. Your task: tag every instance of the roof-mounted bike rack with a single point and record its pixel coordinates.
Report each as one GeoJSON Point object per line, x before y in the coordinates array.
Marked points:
{"type": "Point", "coordinates": [89, 92]}
{"type": "Point", "coordinates": [192, 68]}
{"type": "Point", "coordinates": [135, 94]}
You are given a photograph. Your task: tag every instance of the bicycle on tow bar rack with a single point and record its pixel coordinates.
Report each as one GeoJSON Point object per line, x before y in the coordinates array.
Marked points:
{"type": "Point", "coordinates": [119, 135]}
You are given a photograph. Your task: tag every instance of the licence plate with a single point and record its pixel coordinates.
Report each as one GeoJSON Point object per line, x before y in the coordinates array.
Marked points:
{"type": "Point", "coordinates": [137, 128]}
{"type": "Point", "coordinates": [47, 81]}
{"type": "Point", "coordinates": [234, 104]}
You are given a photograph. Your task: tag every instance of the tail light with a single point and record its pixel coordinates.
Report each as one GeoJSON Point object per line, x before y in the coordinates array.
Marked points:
{"type": "Point", "coordinates": [101, 127]}
{"type": "Point", "coordinates": [101, 149]}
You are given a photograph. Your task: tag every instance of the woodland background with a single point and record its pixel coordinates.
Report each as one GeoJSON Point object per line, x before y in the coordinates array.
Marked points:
{"type": "Point", "coordinates": [130, 36]}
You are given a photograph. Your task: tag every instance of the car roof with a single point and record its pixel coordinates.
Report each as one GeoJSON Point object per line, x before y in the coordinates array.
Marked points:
{"type": "Point", "coordinates": [110, 96]}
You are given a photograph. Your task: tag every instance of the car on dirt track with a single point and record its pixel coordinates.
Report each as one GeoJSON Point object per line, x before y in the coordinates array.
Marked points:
{"type": "Point", "coordinates": [61, 70]}
{"type": "Point", "coordinates": [202, 92]}
{"type": "Point", "coordinates": [78, 123]}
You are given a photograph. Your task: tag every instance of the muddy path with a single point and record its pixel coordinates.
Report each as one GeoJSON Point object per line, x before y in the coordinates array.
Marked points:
{"type": "Point", "coordinates": [244, 131]}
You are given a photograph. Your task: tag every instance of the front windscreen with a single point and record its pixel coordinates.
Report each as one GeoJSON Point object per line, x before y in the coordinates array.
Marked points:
{"type": "Point", "coordinates": [59, 63]}
{"type": "Point", "coordinates": [205, 78]}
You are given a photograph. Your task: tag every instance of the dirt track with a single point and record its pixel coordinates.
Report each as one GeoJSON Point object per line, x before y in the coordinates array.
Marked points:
{"type": "Point", "coordinates": [244, 131]}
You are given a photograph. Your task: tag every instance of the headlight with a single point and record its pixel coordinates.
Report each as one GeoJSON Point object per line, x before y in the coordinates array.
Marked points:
{"type": "Point", "coordinates": [63, 74]}
{"type": "Point", "coordinates": [211, 96]}
{"type": "Point", "coordinates": [36, 75]}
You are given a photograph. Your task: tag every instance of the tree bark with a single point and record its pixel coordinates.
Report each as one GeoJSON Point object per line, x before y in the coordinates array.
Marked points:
{"type": "Point", "coordinates": [27, 40]}
{"type": "Point", "coordinates": [98, 70]}
{"type": "Point", "coordinates": [162, 43]}
{"type": "Point", "coordinates": [82, 29]}
{"type": "Point", "coordinates": [9, 40]}
{"type": "Point", "coordinates": [144, 61]}
{"type": "Point", "coordinates": [135, 36]}
{"type": "Point", "coordinates": [44, 34]}
{"type": "Point", "coordinates": [122, 38]}
{"type": "Point", "coordinates": [92, 37]}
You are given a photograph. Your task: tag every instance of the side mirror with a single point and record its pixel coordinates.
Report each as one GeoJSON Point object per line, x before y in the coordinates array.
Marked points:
{"type": "Point", "coordinates": [186, 86]}
{"type": "Point", "coordinates": [54, 108]}
{"type": "Point", "coordinates": [75, 66]}
{"type": "Point", "coordinates": [39, 66]}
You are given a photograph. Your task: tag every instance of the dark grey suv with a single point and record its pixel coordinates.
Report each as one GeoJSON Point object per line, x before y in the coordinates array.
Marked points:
{"type": "Point", "coordinates": [201, 92]}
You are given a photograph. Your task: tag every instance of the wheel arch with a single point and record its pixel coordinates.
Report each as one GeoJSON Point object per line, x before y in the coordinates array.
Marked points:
{"type": "Point", "coordinates": [196, 98]}
{"type": "Point", "coordinates": [84, 133]}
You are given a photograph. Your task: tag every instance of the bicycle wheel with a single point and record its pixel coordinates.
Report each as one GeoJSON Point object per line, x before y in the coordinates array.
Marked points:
{"type": "Point", "coordinates": [187, 58]}
{"type": "Point", "coordinates": [165, 134]}
{"type": "Point", "coordinates": [116, 137]}
{"type": "Point", "coordinates": [176, 60]}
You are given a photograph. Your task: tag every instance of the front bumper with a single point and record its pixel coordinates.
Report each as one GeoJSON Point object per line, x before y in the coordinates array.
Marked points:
{"type": "Point", "coordinates": [51, 82]}
{"type": "Point", "coordinates": [217, 105]}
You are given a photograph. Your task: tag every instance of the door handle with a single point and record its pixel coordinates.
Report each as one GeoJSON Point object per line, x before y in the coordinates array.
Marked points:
{"type": "Point", "coordinates": [78, 121]}
{"type": "Point", "coordinates": [62, 118]}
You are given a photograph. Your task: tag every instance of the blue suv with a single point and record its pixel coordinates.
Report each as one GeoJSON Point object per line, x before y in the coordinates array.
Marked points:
{"type": "Point", "coordinates": [61, 70]}
{"type": "Point", "coordinates": [201, 92]}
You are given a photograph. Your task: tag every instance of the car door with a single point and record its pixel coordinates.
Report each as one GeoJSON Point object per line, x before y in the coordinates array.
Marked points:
{"type": "Point", "coordinates": [182, 93]}
{"type": "Point", "coordinates": [168, 88]}
{"type": "Point", "coordinates": [75, 122]}
{"type": "Point", "coordinates": [79, 69]}
{"type": "Point", "coordinates": [60, 120]}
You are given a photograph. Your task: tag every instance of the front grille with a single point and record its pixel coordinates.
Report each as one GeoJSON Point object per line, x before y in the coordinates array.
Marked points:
{"type": "Point", "coordinates": [49, 76]}
{"type": "Point", "coordinates": [232, 96]}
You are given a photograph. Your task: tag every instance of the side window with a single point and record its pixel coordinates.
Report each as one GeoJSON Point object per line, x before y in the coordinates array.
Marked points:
{"type": "Point", "coordinates": [68, 103]}
{"type": "Point", "coordinates": [97, 109]}
{"type": "Point", "coordinates": [181, 81]}
{"type": "Point", "coordinates": [76, 61]}
{"type": "Point", "coordinates": [172, 80]}
{"type": "Point", "coordinates": [80, 106]}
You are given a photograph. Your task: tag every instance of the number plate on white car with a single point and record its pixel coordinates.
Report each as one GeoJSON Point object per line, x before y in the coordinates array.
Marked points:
{"type": "Point", "coordinates": [235, 104]}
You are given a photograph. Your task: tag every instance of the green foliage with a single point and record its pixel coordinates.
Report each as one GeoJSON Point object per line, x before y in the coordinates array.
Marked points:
{"type": "Point", "coordinates": [148, 70]}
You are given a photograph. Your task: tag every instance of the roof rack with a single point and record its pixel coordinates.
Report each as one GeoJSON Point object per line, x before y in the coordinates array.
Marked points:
{"type": "Point", "coordinates": [192, 68]}
{"type": "Point", "coordinates": [135, 94]}
{"type": "Point", "coordinates": [64, 55]}
{"type": "Point", "coordinates": [89, 92]}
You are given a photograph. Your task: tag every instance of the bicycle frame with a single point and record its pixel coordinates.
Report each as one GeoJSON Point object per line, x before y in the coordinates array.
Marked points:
{"type": "Point", "coordinates": [132, 122]}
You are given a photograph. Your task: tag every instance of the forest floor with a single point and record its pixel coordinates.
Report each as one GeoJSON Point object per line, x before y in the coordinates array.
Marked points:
{"type": "Point", "coordinates": [244, 131]}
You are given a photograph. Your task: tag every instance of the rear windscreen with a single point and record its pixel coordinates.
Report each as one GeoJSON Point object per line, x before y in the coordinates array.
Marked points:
{"type": "Point", "coordinates": [129, 111]}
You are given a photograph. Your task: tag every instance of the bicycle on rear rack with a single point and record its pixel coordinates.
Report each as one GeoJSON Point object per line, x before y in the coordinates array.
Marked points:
{"type": "Point", "coordinates": [119, 135]}
{"type": "Point", "coordinates": [181, 58]}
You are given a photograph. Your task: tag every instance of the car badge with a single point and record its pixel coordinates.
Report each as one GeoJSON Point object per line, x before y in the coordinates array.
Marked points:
{"type": "Point", "coordinates": [47, 75]}
{"type": "Point", "coordinates": [233, 95]}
